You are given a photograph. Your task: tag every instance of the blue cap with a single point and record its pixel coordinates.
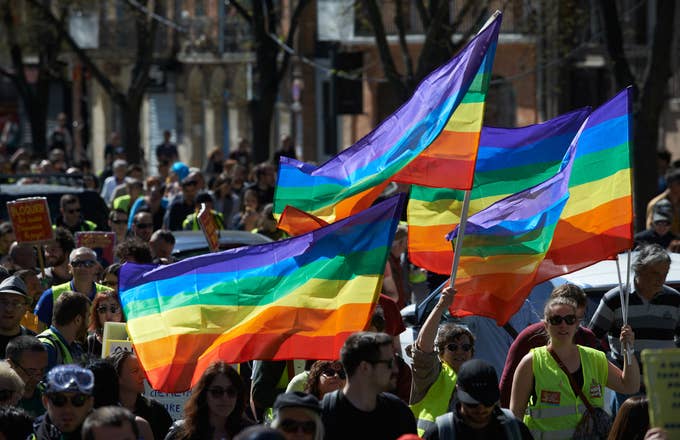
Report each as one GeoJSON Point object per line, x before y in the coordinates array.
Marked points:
{"type": "Point", "coordinates": [180, 169]}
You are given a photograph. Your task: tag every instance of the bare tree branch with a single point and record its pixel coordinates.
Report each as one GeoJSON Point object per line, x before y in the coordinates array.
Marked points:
{"type": "Point", "coordinates": [243, 12]}
{"type": "Point", "coordinates": [406, 54]}
{"type": "Point", "coordinates": [614, 41]}
{"type": "Point", "coordinates": [422, 12]}
{"type": "Point", "coordinates": [292, 30]}
{"type": "Point", "coordinates": [389, 68]}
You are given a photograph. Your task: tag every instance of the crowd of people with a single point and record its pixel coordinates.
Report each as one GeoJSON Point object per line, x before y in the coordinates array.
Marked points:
{"type": "Point", "coordinates": [55, 384]}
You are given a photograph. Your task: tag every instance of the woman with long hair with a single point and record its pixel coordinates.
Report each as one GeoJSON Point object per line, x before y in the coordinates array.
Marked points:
{"type": "Point", "coordinates": [105, 308]}
{"type": "Point", "coordinates": [216, 408]}
{"type": "Point", "coordinates": [544, 377]}
{"type": "Point", "coordinates": [632, 420]}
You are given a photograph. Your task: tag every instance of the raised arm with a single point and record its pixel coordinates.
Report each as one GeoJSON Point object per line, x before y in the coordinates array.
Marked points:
{"type": "Point", "coordinates": [628, 380]}
{"type": "Point", "coordinates": [521, 386]}
{"type": "Point", "coordinates": [428, 332]}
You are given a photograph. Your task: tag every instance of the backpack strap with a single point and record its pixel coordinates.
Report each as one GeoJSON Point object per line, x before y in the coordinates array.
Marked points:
{"type": "Point", "coordinates": [445, 426]}
{"type": "Point", "coordinates": [510, 424]}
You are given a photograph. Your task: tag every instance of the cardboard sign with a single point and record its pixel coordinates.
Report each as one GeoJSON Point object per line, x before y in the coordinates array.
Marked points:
{"type": "Point", "coordinates": [209, 227]}
{"type": "Point", "coordinates": [30, 219]}
{"type": "Point", "coordinates": [115, 338]}
{"type": "Point", "coordinates": [103, 243]}
{"type": "Point", "coordinates": [662, 380]}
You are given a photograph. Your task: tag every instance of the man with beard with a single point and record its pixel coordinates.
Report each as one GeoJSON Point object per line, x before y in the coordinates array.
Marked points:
{"type": "Point", "coordinates": [363, 408]}
{"type": "Point", "coordinates": [84, 267]}
{"type": "Point", "coordinates": [56, 258]}
{"type": "Point", "coordinates": [68, 328]}
{"type": "Point", "coordinates": [13, 303]}
{"type": "Point", "coordinates": [68, 400]}
{"type": "Point", "coordinates": [28, 357]}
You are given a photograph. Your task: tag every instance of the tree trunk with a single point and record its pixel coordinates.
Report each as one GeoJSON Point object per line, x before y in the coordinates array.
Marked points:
{"type": "Point", "coordinates": [652, 101]}
{"type": "Point", "coordinates": [130, 133]}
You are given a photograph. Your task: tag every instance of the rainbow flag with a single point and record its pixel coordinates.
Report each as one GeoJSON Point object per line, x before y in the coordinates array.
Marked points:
{"type": "Point", "coordinates": [596, 222]}
{"type": "Point", "coordinates": [510, 160]}
{"type": "Point", "coordinates": [352, 180]}
{"type": "Point", "coordinates": [293, 299]}
{"type": "Point", "coordinates": [504, 245]}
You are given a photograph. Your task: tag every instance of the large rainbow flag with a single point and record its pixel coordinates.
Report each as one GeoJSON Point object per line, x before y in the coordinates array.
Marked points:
{"type": "Point", "coordinates": [510, 160]}
{"type": "Point", "coordinates": [294, 299]}
{"type": "Point", "coordinates": [504, 245]}
{"type": "Point", "coordinates": [353, 179]}
{"type": "Point", "coordinates": [596, 222]}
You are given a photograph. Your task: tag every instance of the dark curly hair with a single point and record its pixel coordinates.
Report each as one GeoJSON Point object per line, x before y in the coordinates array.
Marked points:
{"type": "Point", "coordinates": [312, 385]}
{"type": "Point", "coordinates": [196, 414]}
{"type": "Point", "coordinates": [449, 332]}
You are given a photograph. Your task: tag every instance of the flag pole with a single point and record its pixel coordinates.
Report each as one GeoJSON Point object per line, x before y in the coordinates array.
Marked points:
{"type": "Point", "coordinates": [459, 238]}
{"type": "Point", "coordinates": [629, 350]}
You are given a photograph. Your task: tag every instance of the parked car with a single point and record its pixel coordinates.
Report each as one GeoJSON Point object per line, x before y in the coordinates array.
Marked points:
{"type": "Point", "coordinates": [192, 243]}
{"type": "Point", "coordinates": [92, 205]}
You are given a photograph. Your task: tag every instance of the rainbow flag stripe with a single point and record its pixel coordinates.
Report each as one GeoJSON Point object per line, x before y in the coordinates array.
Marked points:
{"type": "Point", "coordinates": [597, 222]}
{"type": "Point", "coordinates": [509, 161]}
{"type": "Point", "coordinates": [507, 242]}
{"type": "Point", "coordinates": [353, 179]}
{"type": "Point", "coordinates": [294, 299]}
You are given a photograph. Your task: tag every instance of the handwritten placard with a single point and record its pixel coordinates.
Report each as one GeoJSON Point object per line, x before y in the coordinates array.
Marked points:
{"type": "Point", "coordinates": [662, 381]}
{"type": "Point", "coordinates": [30, 219]}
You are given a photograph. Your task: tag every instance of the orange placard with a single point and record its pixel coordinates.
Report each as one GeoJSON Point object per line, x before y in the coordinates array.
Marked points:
{"type": "Point", "coordinates": [31, 219]}
{"type": "Point", "coordinates": [209, 227]}
{"type": "Point", "coordinates": [103, 243]}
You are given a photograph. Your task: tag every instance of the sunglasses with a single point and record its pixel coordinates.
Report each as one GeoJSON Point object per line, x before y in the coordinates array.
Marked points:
{"type": "Point", "coordinates": [73, 211]}
{"type": "Point", "coordinates": [476, 405]}
{"type": "Point", "coordinates": [119, 221]}
{"type": "Point", "coordinates": [60, 400]}
{"type": "Point", "coordinates": [33, 372]}
{"type": "Point", "coordinates": [662, 223]}
{"type": "Point", "coordinates": [144, 225]}
{"type": "Point", "coordinates": [454, 347]}
{"type": "Point", "coordinates": [331, 372]}
{"type": "Point", "coordinates": [83, 263]}
{"type": "Point", "coordinates": [388, 362]}
{"type": "Point", "coordinates": [291, 426]}
{"type": "Point", "coordinates": [557, 319]}
{"type": "Point", "coordinates": [5, 395]}
{"type": "Point", "coordinates": [104, 309]}
{"type": "Point", "coordinates": [217, 392]}
{"type": "Point", "coordinates": [189, 183]}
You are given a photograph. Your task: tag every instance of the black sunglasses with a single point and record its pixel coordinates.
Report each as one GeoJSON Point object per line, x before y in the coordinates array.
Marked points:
{"type": "Point", "coordinates": [557, 319]}
{"type": "Point", "coordinates": [290, 426]}
{"type": "Point", "coordinates": [83, 263]}
{"type": "Point", "coordinates": [217, 392]}
{"type": "Point", "coordinates": [388, 362]}
{"type": "Point", "coordinates": [454, 347]}
{"type": "Point", "coordinates": [60, 400]}
{"type": "Point", "coordinates": [144, 225]}
{"type": "Point", "coordinates": [104, 309]}
{"type": "Point", "coordinates": [119, 221]}
{"type": "Point", "coordinates": [331, 372]}
{"type": "Point", "coordinates": [73, 211]}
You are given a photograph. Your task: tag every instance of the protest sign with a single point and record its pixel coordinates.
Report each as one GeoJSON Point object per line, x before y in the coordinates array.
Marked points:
{"type": "Point", "coordinates": [209, 227]}
{"type": "Point", "coordinates": [115, 338]}
{"type": "Point", "coordinates": [30, 219]}
{"type": "Point", "coordinates": [103, 243]}
{"type": "Point", "coordinates": [662, 382]}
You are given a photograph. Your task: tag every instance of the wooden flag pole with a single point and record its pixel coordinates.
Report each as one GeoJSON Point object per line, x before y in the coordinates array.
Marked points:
{"type": "Point", "coordinates": [459, 238]}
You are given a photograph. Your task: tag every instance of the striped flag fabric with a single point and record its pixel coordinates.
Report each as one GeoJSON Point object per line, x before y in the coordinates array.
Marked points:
{"type": "Point", "coordinates": [504, 246]}
{"type": "Point", "coordinates": [353, 179]}
{"type": "Point", "coordinates": [596, 222]}
{"type": "Point", "coordinates": [510, 160]}
{"type": "Point", "coordinates": [292, 299]}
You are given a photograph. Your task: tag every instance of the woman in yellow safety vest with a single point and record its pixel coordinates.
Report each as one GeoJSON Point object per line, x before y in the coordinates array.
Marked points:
{"type": "Point", "coordinates": [436, 363]}
{"type": "Point", "coordinates": [541, 391]}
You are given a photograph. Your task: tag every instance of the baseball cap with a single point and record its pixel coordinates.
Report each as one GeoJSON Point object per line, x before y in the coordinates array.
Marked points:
{"type": "Point", "coordinates": [477, 383]}
{"type": "Point", "coordinates": [69, 378]}
{"type": "Point", "coordinates": [297, 399]}
{"type": "Point", "coordinates": [663, 211]}
{"type": "Point", "coordinates": [15, 286]}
